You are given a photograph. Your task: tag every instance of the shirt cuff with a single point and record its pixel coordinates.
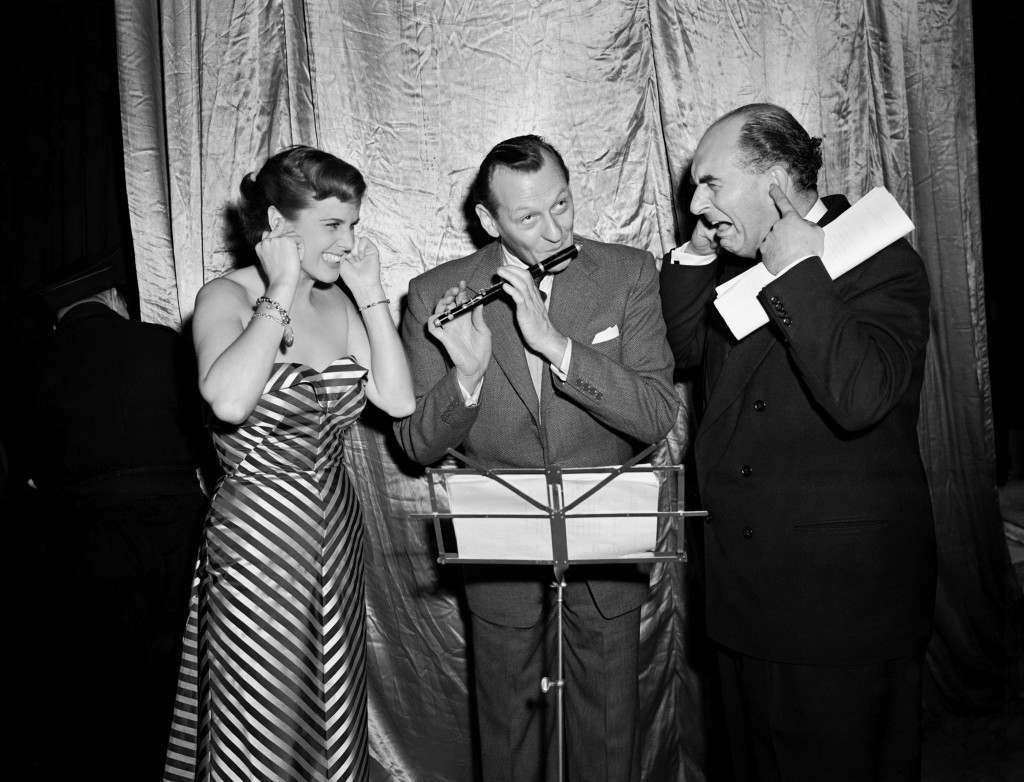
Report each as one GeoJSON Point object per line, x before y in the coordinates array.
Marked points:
{"type": "Point", "coordinates": [470, 399]}
{"type": "Point", "coordinates": [562, 370]}
{"type": "Point", "coordinates": [785, 269]}
{"type": "Point", "coordinates": [685, 257]}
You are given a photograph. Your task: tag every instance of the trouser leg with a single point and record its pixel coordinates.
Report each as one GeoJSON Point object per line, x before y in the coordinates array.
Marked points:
{"type": "Point", "coordinates": [857, 723]}
{"type": "Point", "coordinates": [513, 716]}
{"type": "Point", "coordinates": [601, 692]}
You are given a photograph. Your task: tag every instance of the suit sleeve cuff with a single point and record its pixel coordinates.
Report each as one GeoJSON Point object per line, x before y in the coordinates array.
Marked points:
{"type": "Point", "coordinates": [789, 266]}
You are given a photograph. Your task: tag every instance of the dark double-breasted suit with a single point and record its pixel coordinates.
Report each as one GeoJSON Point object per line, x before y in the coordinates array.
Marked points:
{"type": "Point", "coordinates": [617, 398]}
{"type": "Point", "coordinates": [820, 545]}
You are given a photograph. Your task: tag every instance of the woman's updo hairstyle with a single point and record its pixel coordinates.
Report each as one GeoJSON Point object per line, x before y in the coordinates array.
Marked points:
{"type": "Point", "coordinates": [290, 181]}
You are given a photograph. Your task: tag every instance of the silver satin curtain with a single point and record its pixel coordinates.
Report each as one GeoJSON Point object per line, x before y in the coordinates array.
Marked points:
{"type": "Point", "coordinates": [414, 92]}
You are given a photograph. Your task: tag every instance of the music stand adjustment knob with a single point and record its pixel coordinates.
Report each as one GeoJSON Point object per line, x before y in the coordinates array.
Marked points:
{"type": "Point", "coordinates": [547, 684]}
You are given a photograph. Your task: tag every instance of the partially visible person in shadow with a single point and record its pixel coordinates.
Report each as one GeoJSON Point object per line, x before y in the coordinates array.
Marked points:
{"type": "Point", "coordinates": [273, 682]}
{"type": "Point", "coordinates": [115, 464]}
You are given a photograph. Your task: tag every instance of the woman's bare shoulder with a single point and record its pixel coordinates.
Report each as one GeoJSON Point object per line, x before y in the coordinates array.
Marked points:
{"type": "Point", "coordinates": [232, 294]}
{"type": "Point", "coordinates": [243, 286]}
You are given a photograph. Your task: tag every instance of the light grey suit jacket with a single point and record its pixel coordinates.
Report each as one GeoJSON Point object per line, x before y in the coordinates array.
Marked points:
{"type": "Point", "coordinates": [618, 398]}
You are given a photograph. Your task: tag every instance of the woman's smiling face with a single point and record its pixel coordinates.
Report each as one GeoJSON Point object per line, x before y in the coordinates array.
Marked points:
{"type": "Point", "coordinates": [327, 230]}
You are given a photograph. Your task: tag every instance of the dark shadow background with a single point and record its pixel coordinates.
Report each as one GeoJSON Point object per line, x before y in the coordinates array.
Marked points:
{"type": "Point", "coordinates": [997, 65]}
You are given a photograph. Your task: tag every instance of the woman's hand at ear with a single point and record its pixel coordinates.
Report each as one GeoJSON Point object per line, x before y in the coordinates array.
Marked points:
{"type": "Point", "coordinates": [280, 254]}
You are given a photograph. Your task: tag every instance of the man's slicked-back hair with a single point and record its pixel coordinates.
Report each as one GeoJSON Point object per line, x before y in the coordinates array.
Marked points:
{"type": "Point", "coordinates": [770, 135]}
{"type": "Point", "coordinates": [521, 153]}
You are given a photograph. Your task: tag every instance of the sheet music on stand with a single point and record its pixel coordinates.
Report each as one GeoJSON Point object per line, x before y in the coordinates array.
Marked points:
{"type": "Point", "coordinates": [557, 516]}
{"type": "Point", "coordinates": [491, 520]}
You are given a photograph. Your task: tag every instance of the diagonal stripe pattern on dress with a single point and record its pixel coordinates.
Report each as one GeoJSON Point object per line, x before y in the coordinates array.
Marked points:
{"type": "Point", "coordinates": [272, 684]}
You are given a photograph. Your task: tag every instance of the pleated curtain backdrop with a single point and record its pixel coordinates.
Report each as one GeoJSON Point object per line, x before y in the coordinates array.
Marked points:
{"type": "Point", "coordinates": [415, 93]}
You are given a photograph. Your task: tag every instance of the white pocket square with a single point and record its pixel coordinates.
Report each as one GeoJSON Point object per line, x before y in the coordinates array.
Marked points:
{"type": "Point", "coordinates": [609, 333]}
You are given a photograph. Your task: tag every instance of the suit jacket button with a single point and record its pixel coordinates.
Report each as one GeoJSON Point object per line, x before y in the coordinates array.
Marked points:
{"type": "Point", "coordinates": [786, 321]}
{"type": "Point", "coordinates": [748, 533]}
{"type": "Point", "coordinates": [746, 471]}
{"type": "Point", "coordinates": [759, 405]}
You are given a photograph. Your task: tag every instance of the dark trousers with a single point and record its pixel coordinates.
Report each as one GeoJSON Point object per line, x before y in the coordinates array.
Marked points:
{"type": "Point", "coordinates": [788, 723]}
{"type": "Point", "coordinates": [121, 594]}
{"type": "Point", "coordinates": [518, 723]}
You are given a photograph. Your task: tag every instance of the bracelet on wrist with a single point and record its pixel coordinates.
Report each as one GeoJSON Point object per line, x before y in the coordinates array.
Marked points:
{"type": "Point", "coordinates": [268, 316]}
{"type": "Point", "coordinates": [265, 306]}
{"type": "Point", "coordinates": [285, 317]}
{"type": "Point", "coordinates": [374, 304]}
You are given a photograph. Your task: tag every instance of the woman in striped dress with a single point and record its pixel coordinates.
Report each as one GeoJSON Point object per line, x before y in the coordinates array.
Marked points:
{"type": "Point", "coordinates": [272, 683]}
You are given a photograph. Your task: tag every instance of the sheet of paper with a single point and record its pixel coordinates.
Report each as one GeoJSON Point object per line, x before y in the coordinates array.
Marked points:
{"type": "Point", "coordinates": [530, 538]}
{"type": "Point", "coordinates": [874, 222]}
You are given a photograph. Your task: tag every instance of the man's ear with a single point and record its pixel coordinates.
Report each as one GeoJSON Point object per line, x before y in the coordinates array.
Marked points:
{"type": "Point", "coordinates": [487, 221]}
{"type": "Point", "coordinates": [274, 218]}
{"type": "Point", "coordinates": [779, 175]}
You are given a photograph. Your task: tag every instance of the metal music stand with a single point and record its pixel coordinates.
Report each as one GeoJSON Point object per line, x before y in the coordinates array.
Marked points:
{"type": "Point", "coordinates": [557, 511]}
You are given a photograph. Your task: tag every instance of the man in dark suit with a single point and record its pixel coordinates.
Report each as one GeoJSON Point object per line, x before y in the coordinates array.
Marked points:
{"type": "Point", "coordinates": [119, 440]}
{"type": "Point", "coordinates": [820, 545]}
{"type": "Point", "coordinates": [574, 373]}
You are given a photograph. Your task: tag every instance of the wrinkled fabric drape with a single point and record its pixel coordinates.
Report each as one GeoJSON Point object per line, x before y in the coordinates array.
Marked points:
{"type": "Point", "coordinates": [415, 92]}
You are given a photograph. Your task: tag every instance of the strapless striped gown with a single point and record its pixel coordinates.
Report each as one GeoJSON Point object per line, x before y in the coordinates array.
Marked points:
{"type": "Point", "coordinates": [273, 683]}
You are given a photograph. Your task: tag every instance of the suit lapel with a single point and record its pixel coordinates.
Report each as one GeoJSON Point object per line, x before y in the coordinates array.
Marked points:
{"type": "Point", "coordinates": [737, 370]}
{"type": "Point", "coordinates": [575, 301]}
{"type": "Point", "coordinates": [575, 297]}
{"type": "Point", "coordinates": [744, 357]}
{"type": "Point", "coordinates": [506, 346]}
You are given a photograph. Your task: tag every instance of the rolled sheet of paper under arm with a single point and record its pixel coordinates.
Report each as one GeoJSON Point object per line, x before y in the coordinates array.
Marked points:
{"type": "Point", "coordinates": [874, 222]}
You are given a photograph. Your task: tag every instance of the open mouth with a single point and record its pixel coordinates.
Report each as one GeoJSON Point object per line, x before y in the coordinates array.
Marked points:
{"type": "Point", "coordinates": [718, 226]}
{"type": "Point", "coordinates": [331, 258]}
{"type": "Point", "coordinates": [722, 227]}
